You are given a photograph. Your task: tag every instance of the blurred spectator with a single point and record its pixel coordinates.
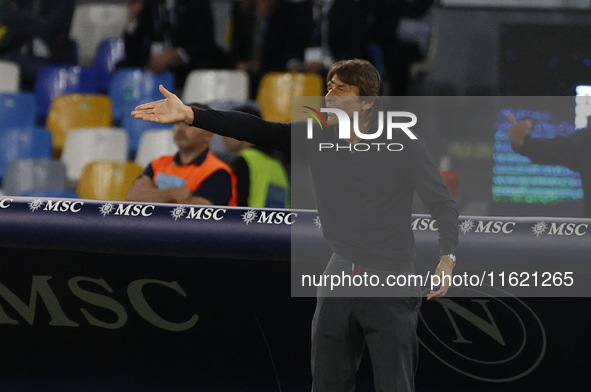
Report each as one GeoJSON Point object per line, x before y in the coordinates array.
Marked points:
{"type": "Point", "coordinates": [398, 54]}
{"type": "Point", "coordinates": [134, 9]}
{"type": "Point", "coordinates": [176, 35]}
{"type": "Point", "coordinates": [340, 29]}
{"type": "Point", "coordinates": [194, 175]}
{"type": "Point", "coordinates": [34, 33]}
{"type": "Point", "coordinates": [262, 180]}
{"type": "Point", "coordinates": [345, 29]}
{"type": "Point", "coordinates": [265, 36]}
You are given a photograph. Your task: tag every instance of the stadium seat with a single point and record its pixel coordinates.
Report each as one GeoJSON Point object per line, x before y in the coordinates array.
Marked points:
{"type": "Point", "coordinates": [71, 111]}
{"type": "Point", "coordinates": [26, 176]}
{"type": "Point", "coordinates": [89, 144]}
{"type": "Point", "coordinates": [109, 52]}
{"type": "Point", "coordinates": [107, 180]}
{"type": "Point", "coordinates": [16, 110]}
{"type": "Point", "coordinates": [93, 22]}
{"type": "Point", "coordinates": [205, 86]}
{"type": "Point", "coordinates": [130, 85]}
{"type": "Point", "coordinates": [10, 74]}
{"type": "Point", "coordinates": [135, 128]}
{"type": "Point", "coordinates": [277, 88]}
{"type": "Point", "coordinates": [54, 80]}
{"type": "Point", "coordinates": [19, 143]}
{"type": "Point", "coordinates": [153, 144]}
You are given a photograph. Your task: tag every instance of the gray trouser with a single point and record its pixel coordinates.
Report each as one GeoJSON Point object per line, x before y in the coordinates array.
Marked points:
{"type": "Point", "coordinates": [341, 328]}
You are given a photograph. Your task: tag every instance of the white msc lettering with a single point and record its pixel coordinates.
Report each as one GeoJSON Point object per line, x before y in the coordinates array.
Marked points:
{"type": "Point", "coordinates": [134, 210]}
{"type": "Point", "coordinates": [422, 224]}
{"type": "Point", "coordinates": [277, 218]}
{"type": "Point", "coordinates": [568, 229]}
{"type": "Point", "coordinates": [495, 227]}
{"type": "Point", "coordinates": [62, 206]}
{"type": "Point", "coordinates": [4, 204]}
{"type": "Point", "coordinates": [206, 213]}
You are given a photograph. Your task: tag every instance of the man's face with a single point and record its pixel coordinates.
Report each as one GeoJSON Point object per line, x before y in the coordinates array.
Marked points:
{"type": "Point", "coordinates": [188, 138]}
{"type": "Point", "coordinates": [342, 96]}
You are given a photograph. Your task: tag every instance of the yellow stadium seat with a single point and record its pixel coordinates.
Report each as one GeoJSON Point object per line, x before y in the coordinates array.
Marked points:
{"type": "Point", "coordinates": [107, 180]}
{"type": "Point", "coordinates": [277, 88]}
{"type": "Point", "coordinates": [69, 111]}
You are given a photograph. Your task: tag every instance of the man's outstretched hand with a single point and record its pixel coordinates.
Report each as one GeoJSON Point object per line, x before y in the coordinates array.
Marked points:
{"type": "Point", "coordinates": [169, 110]}
{"type": "Point", "coordinates": [518, 130]}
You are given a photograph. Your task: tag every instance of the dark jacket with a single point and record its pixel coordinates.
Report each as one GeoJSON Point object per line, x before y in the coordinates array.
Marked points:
{"type": "Point", "coordinates": [364, 199]}
{"type": "Point", "coordinates": [192, 30]}
{"type": "Point", "coordinates": [571, 151]}
{"type": "Point", "coordinates": [282, 37]}
{"type": "Point", "coordinates": [50, 22]}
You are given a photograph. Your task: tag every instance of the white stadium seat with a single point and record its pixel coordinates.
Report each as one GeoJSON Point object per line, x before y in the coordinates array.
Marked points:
{"type": "Point", "coordinates": [84, 145]}
{"type": "Point", "coordinates": [205, 86]}
{"type": "Point", "coordinates": [94, 22]}
{"type": "Point", "coordinates": [10, 74]}
{"type": "Point", "coordinates": [153, 144]}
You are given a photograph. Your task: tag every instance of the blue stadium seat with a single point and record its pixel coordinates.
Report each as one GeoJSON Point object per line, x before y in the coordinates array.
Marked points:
{"type": "Point", "coordinates": [16, 110]}
{"type": "Point", "coordinates": [27, 142]}
{"type": "Point", "coordinates": [108, 53]}
{"type": "Point", "coordinates": [54, 80]}
{"type": "Point", "coordinates": [135, 85]}
{"type": "Point", "coordinates": [36, 177]}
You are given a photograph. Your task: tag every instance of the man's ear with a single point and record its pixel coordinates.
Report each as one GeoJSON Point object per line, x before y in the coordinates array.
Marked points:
{"type": "Point", "coordinates": [367, 104]}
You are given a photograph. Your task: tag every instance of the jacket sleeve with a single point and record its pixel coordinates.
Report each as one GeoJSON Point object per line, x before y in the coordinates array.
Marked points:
{"type": "Point", "coordinates": [561, 150]}
{"type": "Point", "coordinates": [427, 182]}
{"type": "Point", "coordinates": [244, 126]}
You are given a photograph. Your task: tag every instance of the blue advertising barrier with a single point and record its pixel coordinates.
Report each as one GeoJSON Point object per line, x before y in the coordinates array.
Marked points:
{"type": "Point", "coordinates": [98, 295]}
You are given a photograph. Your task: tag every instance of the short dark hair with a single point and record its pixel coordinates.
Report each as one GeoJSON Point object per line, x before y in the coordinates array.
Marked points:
{"type": "Point", "coordinates": [359, 73]}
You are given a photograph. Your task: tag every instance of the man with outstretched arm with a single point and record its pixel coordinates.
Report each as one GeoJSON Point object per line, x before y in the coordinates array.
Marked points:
{"type": "Point", "coordinates": [571, 151]}
{"type": "Point", "coordinates": [364, 203]}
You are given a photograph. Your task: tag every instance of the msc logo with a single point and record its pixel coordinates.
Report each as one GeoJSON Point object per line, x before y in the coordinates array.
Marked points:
{"type": "Point", "coordinates": [269, 217]}
{"type": "Point", "coordinates": [344, 129]}
{"type": "Point", "coordinates": [56, 205]}
{"type": "Point", "coordinates": [84, 291]}
{"type": "Point", "coordinates": [485, 336]}
{"type": "Point", "coordinates": [202, 213]}
{"type": "Point", "coordinates": [565, 229]}
{"type": "Point", "coordinates": [126, 209]}
{"type": "Point", "coordinates": [490, 227]}
{"type": "Point", "coordinates": [206, 213]}
{"type": "Point", "coordinates": [568, 229]}
{"type": "Point", "coordinates": [134, 210]}
{"type": "Point", "coordinates": [422, 224]}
